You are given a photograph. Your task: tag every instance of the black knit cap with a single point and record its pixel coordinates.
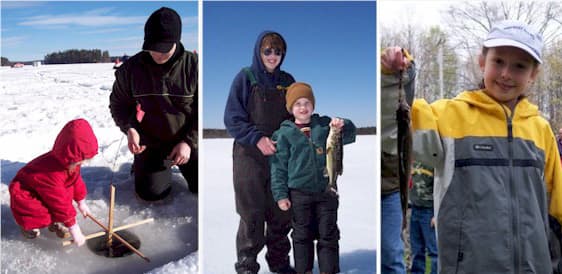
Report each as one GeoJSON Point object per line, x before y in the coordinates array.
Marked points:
{"type": "Point", "coordinates": [162, 30]}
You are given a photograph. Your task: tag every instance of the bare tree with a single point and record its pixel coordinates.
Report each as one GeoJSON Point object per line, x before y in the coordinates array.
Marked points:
{"type": "Point", "coordinates": [469, 22]}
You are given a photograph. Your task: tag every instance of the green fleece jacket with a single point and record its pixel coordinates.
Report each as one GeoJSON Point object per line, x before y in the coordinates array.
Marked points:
{"type": "Point", "coordinates": [300, 162]}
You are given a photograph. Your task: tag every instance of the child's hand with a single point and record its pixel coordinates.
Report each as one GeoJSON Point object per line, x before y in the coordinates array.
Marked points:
{"type": "Point", "coordinates": [77, 235]}
{"type": "Point", "coordinates": [432, 223]}
{"type": "Point", "coordinates": [393, 60]}
{"type": "Point", "coordinates": [337, 123]}
{"type": "Point", "coordinates": [84, 209]}
{"type": "Point", "coordinates": [284, 204]}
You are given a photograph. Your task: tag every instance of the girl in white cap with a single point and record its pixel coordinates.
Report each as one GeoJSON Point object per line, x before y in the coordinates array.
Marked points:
{"type": "Point", "coordinates": [497, 170]}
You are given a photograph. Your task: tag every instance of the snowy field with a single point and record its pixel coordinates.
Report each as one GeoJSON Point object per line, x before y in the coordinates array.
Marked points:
{"type": "Point", "coordinates": [36, 103]}
{"type": "Point", "coordinates": [356, 214]}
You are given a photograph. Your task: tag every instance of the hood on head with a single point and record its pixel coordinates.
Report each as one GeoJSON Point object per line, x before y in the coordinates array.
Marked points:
{"type": "Point", "coordinates": [75, 142]}
{"type": "Point", "coordinates": [257, 63]}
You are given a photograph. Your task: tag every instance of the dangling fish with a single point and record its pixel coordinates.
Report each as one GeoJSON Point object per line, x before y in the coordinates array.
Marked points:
{"type": "Point", "coordinates": [334, 159]}
{"type": "Point", "coordinates": [403, 120]}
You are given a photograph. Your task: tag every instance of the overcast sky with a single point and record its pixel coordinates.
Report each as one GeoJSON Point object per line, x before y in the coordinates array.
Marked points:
{"type": "Point", "coordinates": [419, 13]}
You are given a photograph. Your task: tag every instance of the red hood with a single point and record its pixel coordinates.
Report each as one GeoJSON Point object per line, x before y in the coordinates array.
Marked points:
{"type": "Point", "coordinates": [75, 142]}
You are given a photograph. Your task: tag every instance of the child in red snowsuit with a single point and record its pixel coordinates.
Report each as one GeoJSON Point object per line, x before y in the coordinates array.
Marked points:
{"type": "Point", "coordinates": [42, 192]}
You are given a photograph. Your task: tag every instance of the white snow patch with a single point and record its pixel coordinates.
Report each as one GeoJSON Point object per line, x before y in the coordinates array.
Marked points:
{"type": "Point", "coordinates": [38, 102]}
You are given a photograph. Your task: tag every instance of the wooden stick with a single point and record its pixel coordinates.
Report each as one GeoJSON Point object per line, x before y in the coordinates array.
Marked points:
{"type": "Point", "coordinates": [132, 248]}
{"type": "Point", "coordinates": [110, 223]}
{"type": "Point", "coordinates": [101, 233]}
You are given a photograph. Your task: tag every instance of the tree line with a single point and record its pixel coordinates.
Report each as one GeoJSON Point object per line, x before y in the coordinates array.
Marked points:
{"type": "Point", "coordinates": [70, 56]}
{"type": "Point", "coordinates": [77, 56]}
{"type": "Point", "coordinates": [457, 45]}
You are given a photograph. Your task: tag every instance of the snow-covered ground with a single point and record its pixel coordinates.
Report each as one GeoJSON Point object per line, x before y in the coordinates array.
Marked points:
{"type": "Point", "coordinates": [356, 214]}
{"type": "Point", "coordinates": [36, 102]}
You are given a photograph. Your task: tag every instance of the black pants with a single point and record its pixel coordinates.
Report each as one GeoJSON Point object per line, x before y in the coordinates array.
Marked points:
{"type": "Point", "coordinates": [315, 217]}
{"type": "Point", "coordinates": [153, 176]}
{"type": "Point", "coordinates": [256, 207]}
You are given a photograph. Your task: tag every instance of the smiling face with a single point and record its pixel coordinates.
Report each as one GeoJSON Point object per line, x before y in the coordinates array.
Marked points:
{"type": "Point", "coordinates": [272, 50]}
{"type": "Point", "coordinates": [302, 110]}
{"type": "Point", "coordinates": [271, 58]}
{"type": "Point", "coordinates": [508, 72]}
{"type": "Point", "coordinates": [162, 57]}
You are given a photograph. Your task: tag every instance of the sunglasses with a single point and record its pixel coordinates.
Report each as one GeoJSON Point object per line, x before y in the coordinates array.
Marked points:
{"type": "Point", "coordinates": [269, 51]}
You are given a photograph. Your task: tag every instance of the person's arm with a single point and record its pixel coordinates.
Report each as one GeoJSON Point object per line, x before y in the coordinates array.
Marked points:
{"type": "Point", "coordinates": [79, 189]}
{"type": "Point", "coordinates": [279, 163]}
{"type": "Point", "coordinates": [192, 72]}
{"type": "Point", "coordinates": [396, 70]}
{"type": "Point", "coordinates": [121, 102]}
{"type": "Point", "coordinates": [553, 177]}
{"type": "Point", "coordinates": [236, 116]}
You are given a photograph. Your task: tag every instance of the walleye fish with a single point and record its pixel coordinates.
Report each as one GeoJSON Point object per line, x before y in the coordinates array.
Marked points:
{"type": "Point", "coordinates": [334, 159]}
{"type": "Point", "coordinates": [403, 120]}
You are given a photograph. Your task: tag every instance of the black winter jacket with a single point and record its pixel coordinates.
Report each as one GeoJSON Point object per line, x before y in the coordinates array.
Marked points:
{"type": "Point", "coordinates": [166, 93]}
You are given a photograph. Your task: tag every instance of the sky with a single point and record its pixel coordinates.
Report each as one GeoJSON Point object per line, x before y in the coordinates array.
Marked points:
{"type": "Point", "coordinates": [31, 30]}
{"type": "Point", "coordinates": [427, 13]}
{"type": "Point", "coordinates": [330, 45]}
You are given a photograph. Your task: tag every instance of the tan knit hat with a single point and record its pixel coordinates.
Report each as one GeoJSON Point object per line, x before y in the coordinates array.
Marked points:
{"type": "Point", "coordinates": [298, 90]}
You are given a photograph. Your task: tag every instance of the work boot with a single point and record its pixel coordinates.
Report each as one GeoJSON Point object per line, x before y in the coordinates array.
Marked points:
{"type": "Point", "coordinates": [287, 269]}
{"type": "Point", "coordinates": [247, 265]}
{"type": "Point", "coordinates": [31, 234]}
{"type": "Point", "coordinates": [61, 230]}
{"type": "Point", "coordinates": [247, 272]}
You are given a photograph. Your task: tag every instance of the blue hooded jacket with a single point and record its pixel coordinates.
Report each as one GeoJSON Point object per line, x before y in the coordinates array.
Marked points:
{"type": "Point", "coordinates": [236, 116]}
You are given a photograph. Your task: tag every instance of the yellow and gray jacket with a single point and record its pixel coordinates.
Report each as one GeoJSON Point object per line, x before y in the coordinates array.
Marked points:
{"type": "Point", "coordinates": [497, 178]}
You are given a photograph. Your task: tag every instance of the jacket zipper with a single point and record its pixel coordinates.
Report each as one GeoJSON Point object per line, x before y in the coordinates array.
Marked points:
{"type": "Point", "coordinates": [512, 189]}
{"type": "Point", "coordinates": [314, 157]}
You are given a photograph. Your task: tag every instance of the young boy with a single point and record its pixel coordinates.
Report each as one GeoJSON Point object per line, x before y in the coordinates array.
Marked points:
{"type": "Point", "coordinates": [497, 169]}
{"type": "Point", "coordinates": [42, 192]}
{"type": "Point", "coordinates": [298, 180]}
{"type": "Point", "coordinates": [422, 227]}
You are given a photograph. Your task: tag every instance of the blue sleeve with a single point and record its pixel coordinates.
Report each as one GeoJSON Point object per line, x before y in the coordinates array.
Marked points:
{"type": "Point", "coordinates": [279, 163]}
{"type": "Point", "coordinates": [236, 116]}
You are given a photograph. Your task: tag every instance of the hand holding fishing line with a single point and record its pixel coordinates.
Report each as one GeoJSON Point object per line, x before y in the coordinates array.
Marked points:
{"type": "Point", "coordinates": [133, 139]}
{"type": "Point", "coordinates": [337, 123]}
{"type": "Point", "coordinates": [180, 154]}
{"type": "Point", "coordinates": [393, 60]}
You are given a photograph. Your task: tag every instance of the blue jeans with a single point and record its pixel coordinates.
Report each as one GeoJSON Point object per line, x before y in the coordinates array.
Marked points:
{"type": "Point", "coordinates": [392, 247]}
{"type": "Point", "coordinates": [422, 239]}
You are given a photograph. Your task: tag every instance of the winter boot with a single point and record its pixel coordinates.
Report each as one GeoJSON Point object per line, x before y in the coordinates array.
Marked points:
{"type": "Point", "coordinates": [286, 270]}
{"type": "Point", "coordinates": [31, 234]}
{"type": "Point", "coordinates": [61, 230]}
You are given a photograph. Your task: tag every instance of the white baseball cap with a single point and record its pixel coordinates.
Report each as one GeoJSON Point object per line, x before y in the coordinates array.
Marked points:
{"type": "Point", "coordinates": [515, 34]}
